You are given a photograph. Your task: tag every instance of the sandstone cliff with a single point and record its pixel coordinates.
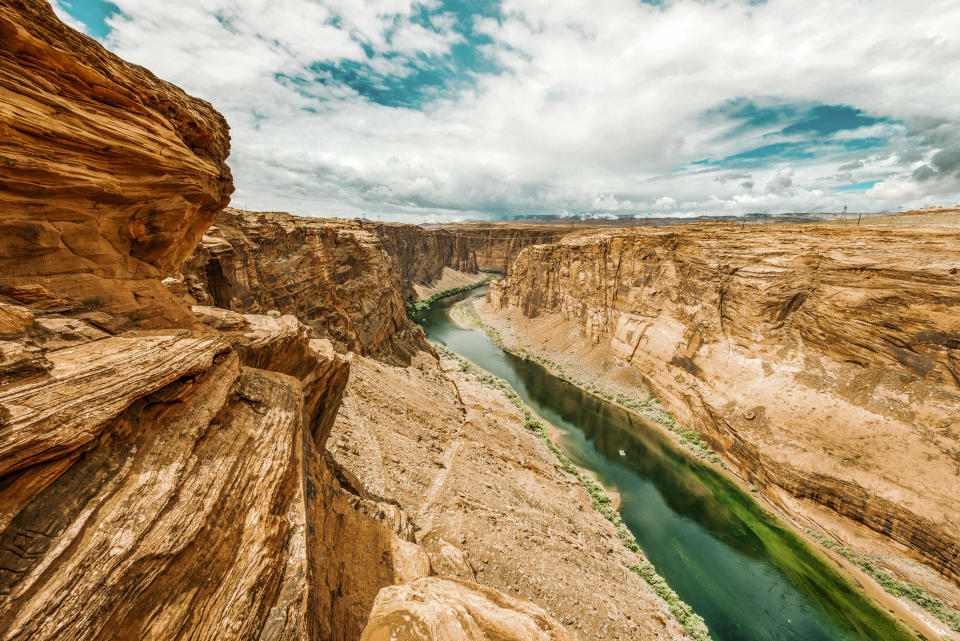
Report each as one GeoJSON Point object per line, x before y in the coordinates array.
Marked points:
{"type": "Point", "coordinates": [822, 362]}
{"type": "Point", "coordinates": [162, 468]}
{"type": "Point", "coordinates": [332, 274]}
{"type": "Point", "coordinates": [488, 501]}
{"type": "Point", "coordinates": [497, 245]}
{"type": "Point", "coordinates": [350, 280]}
{"type": "Point", "coordinates": [420, 256]}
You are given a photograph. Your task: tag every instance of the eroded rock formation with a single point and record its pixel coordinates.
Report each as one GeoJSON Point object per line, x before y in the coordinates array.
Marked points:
{"type": "Point", "coordinates": [433, 609]}
{"type": "Point", "coordinates": [823, 362]}
{"type": "Point", "coordinates": [489, 502]}
{"type": "Point", "coordinates": [87, 137]}
{"type": "Point", "coordinates": [420, 256]}
{"type": "Point", "coordinates": [347, 279]}
{"type": "Point", "coordinates": [497, 245]}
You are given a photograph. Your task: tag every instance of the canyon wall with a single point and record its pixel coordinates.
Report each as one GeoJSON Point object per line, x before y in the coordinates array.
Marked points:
{"type": "Point", "coordinates": [350, 280]}
{"type": "Point", "coordinates": [497, 245]}
{"type": "Point", "coordinates": [420, 255]}
{"type": "Point", "coordinates": [88, 137]}
{"type": "Point", "coordinates": [163, 473]}
{"type": "Point", "coordinates": [331, 274]}
{"type": "Point", "coordinates": [822, 362]}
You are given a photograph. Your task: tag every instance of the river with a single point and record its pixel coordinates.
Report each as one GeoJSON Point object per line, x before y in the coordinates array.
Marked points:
{"type": "Point", "coordinates": [744, 572]}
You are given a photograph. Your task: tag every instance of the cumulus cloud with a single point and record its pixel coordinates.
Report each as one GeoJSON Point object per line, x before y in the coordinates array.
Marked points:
{"type": "Point", "coordinates": [782, 182]}
{"type": "Point", "coordinates": [424, 110]}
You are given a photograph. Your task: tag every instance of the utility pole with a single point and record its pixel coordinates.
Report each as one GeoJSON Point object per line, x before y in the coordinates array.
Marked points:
{"type": "Point", "coordinates": [858, 218]}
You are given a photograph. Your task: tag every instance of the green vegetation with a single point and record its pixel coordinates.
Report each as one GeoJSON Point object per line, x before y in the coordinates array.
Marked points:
{"type": "Point", "coordinates": [650, 409]}
{"type": "Point", "coordinates": [691, 622]}
{"type": "Point", "coordinates": [893, 585]}
{"type": "Point", "coordinates": [420, 305]}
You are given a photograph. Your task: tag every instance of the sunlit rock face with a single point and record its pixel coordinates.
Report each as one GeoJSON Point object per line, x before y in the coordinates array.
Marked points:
{"type": "Point", "coordinates": [109, 174]}
{"type": "Point", "coordinates": [824, 362]}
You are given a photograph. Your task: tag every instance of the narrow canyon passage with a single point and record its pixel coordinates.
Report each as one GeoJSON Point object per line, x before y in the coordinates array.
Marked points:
{"type": "Point", "coordinates": [736, 565]}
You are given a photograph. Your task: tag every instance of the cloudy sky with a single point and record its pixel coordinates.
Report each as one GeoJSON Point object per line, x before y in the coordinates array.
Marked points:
{"type": "Point", "coordinates": [425, 110]}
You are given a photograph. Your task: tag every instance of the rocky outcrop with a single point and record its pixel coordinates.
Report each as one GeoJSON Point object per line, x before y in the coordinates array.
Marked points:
{"type": "Point", "coordinates": [110, 175]}
{"type": "Point", "coordinates": [433, 609]}
{"type": "Point", "coordinates": [497, 245]}
{"type": "Point", "coordinates": [823, 362]}
{"type": "Point", "coordinates": [331, 274]}
{"type": "Point", "coordinates": [159, 479]}
{"type": "Point", "coordinates": [420, 256]}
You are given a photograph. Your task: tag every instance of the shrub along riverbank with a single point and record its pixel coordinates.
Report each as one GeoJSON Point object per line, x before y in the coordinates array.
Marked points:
{"type": "Point", "coordinates": [652, 410]}
{"type": "Point", "coordinates": [893, 585]}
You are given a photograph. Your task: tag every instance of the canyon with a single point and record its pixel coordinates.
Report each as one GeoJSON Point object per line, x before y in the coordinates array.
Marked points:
{"type": "Point", "coordinates": [171, 372]}
{"type": "Point", "coordinates": [218, 423]}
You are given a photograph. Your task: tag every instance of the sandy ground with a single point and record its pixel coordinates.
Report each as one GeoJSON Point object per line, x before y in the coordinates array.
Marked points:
{"type": "Point", "coordinates": [551, 337]}
{"type": "Point", "coordinates": [449, 279]}
{"type": "Point", "coordinates": [455, 456]}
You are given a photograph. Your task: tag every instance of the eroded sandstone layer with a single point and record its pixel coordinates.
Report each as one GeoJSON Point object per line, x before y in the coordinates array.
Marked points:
{"type": "Point", "coordinates": [331, 274]}
{"type": "Point", "coordinates": [348, 279]}
{"type": "Point", "coordinates": [109, 175]}
{"type": "Point", "coordinates": [489, 501]}
{"type": "Point", "coordinates": [497, 245]}
{"type": "Point", "coordinates": [822, 362]}
{"type": "Point", "coordinates": [421, 255]}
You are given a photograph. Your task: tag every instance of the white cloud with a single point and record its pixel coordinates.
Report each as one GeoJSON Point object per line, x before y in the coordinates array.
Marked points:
{"type": "Point", "coordinates": [665, 202]}
{"type": "Point", "coordinates": [593, 111]}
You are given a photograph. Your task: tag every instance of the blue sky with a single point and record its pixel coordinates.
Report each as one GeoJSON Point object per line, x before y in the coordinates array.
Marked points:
{"type": "Point", "coordinates": [462, 109]}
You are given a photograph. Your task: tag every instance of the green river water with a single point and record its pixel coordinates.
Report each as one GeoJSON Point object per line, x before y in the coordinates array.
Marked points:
{"type": "Point", "coordinates": [745, 573]}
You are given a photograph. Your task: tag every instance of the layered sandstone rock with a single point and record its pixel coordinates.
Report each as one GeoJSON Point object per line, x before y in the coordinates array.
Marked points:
{"type": "Point", "coordinates": [420, 256]}
{"type": "Point", "coordinates": [434, 609]}
{"type": "Point", "coordinates": [497, 245]}
{"type": "Point", "coordinates": [158, 479]}
{"type": "Point", "coordinates": [110, 175]}
{"type": "Point", "coordinates": [823, 362]}
{"type": "Point", "coordinates": [331, 274]}
{"type": "Point", "coordinates": [162, 469]}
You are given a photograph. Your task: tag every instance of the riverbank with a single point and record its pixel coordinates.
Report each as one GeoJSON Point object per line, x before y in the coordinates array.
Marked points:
{"type": "Point", "coordinates": [450, 279]}
{"type": "Point", "coordinates": [601, 500]}
{"type": "Point", "coordinates": [594, 372]}
{"type": "Point", "coordinates": [424, 303]}
{"type": "Point", "coordinates": [487, 499]}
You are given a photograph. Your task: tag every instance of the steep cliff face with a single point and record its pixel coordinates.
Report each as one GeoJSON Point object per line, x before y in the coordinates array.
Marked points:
{"type": "Point", "coordinates": [88, 137]}
{"type": "Point", "coordinates": [153, 472]}
{"type": "Point", "coordinates": [497, 245]}
{"type": "Point", "coordinates": [823, 362]}
{"type": "Point", "coordinates": [347, 279]}
{"type": "Point", "coordinates": [332, 274]}
{"type": "Point", "coordinates": [419, 255]}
